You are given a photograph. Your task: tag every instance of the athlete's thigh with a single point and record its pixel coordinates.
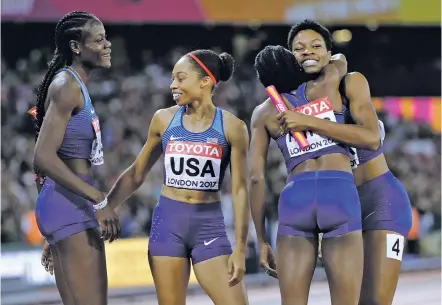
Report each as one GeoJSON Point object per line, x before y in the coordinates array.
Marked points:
{"type": "Point", "coordinates": [343, 258]}
{"type": "Point", "coordinates": [295, 263]}
{"type": "Point", "coordinates": [213, 276]}
{"type": "Point", "coordinates": [382, 264]}
{"type": "Point", "coordinates": [80, 268]}
{"type": "Point", "coordinates": [171, 278]}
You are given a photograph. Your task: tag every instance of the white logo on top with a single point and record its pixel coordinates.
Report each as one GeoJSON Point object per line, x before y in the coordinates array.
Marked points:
{"type": "Point", "coordinates": [206, 243]}
{"type": "Point", "coordinates": [172, 138]}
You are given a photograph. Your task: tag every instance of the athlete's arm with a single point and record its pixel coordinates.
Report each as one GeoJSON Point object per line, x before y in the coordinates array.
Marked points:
{"type": "Point", "coordinates": [364, 134]}
{"type": "Point", "coordinates": [64, 96]}
{"type": "Point", "coordinates": [238, 138]}
{"type": "Point", "coordinates": [259, 146]}
{"type": "Point", "coordinates": [133, 177]}
{"type": "Point", "coordinates": [340, 62]}
{"type": "Point", "coordinates": [335, 71]}
{"type": "Point", "coordinates": [239, 141]}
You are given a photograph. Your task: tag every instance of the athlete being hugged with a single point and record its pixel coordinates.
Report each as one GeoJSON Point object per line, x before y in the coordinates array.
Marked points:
{"type": "Point", "coordinates": [197, 141]}
{"type": "Point", "coordinates": [320, 195]}
{"type": "Point", "coordinates": [385, 206]}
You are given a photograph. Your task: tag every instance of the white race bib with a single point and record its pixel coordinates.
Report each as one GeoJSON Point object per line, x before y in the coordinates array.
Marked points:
{"type": "Point", "coordinates": [354, 158]}
{"type": "Point", "coordinates": [381, 131]}
{"type": "Point", "coordinates": [395, 246]}
{"type": "Point", "coordinates": [192, 165]}
{"type": "Point", "coordinates": [96, 157]}
{"type": "Point", "coordinates": [321, 109]}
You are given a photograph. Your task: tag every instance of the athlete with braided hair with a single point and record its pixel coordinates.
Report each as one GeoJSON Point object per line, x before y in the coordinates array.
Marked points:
{"type": "Point", "coordinates": [385, 205]}
{"type": "Point", "coordinates": [69, 210]}
{"type": "Point", "coordinates": [320, 195]}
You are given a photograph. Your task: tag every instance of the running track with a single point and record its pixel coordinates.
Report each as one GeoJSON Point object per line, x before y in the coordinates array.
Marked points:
{"type": "Point", "coordinates": [413, 289]}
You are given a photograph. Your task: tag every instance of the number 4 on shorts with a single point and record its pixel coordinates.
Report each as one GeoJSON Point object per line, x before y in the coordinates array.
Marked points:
{"type": "Point", "coordinates": [395, 246]}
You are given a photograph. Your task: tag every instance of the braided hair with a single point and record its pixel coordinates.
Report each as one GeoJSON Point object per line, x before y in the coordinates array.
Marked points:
{"type": "Point", "coordinates": [70, 27]}
{"type": "Point", "coordinates": [275, 65]}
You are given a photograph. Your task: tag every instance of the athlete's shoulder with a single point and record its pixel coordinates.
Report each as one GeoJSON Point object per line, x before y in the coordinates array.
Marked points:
{"type": "Point", "coordinates": [262, 111]}
{"type": "Point", "coordinates": [231, 121]}
{"type": "Point", "coordinates": [64, 89]}
{"type": "Point", "coordinates": [234, 127]}
{"type": "Point", "coordinates": [162, 118]}
{"type": "Point", "coordinates": [165, 113]}
{"type": "Point", "coordinates": [264, 107]}
{"type": "Point", "coordinates": [355, 77]}
{"type": "Point", "coordinates": [63, 82]}
{"type": "Point", "coordinates": [355, 83]}
{"type": "Point", "coordinates": [172, 109]}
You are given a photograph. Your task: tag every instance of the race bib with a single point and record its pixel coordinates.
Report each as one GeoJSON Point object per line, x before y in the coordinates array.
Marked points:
{"type": "Point", "coordinates": [395, 246]}
{"type": "Point", "coordinates": [381, 131]}
{"type": "Point", "coordinates": [192, 165]}
{"type": "Point", "coordinates": [321, 109]}
{"type": "Point", "coordinates": [354, 158]}
{"type": "Point", "coordinates": [96, 157]}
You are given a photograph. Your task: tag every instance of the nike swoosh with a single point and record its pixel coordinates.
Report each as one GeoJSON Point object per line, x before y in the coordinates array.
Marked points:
{"type": "Point", "coordinates": [368, 215]}
{"type": "Point", "coordinates": [172, 138]}
{"type": "Point", "coordinates": [206, 243]}
{"type": "Point", "coordinates": [92, 111]}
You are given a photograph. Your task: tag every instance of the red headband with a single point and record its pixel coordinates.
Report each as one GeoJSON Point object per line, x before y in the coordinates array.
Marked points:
{"type": "Point", "coordinates": [204, 67]}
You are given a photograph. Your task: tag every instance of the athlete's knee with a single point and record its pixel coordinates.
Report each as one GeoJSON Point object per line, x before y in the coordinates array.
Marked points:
{"type": "Point", "coordinates": [171, 299]}
{"type": "Point", "coordinates": [293, 300]}
{"type": "Point", "coordinates": [374, 298]}
{"type": "Point", "coordinates": [238, 298]}
{"type": "Point", "coordinates": [370, 301]}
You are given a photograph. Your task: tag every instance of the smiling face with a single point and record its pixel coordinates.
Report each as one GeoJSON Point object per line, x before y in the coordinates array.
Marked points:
{"type": "Point", "coordinates": [310, 50]}
{"type": "Point", "coordinates": [187, 84]}
{"type": "Point", "coordinates": [94, 48]}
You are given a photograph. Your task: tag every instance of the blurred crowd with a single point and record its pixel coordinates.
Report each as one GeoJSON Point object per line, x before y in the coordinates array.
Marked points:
{"type": "Point", "coordinates": [126, 99]}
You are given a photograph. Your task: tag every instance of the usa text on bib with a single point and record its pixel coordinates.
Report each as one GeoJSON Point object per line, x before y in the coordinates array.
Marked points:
{"type": "Point", "coordinates": [192, 165]}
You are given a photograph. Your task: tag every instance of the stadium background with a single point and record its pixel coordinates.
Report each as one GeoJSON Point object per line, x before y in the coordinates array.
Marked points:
{"type": "Point", "coordinates": [396, 44]}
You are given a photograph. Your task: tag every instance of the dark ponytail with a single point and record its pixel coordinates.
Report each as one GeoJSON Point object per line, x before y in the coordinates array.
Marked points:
{"type": "Point", "coordinates": [56, 64]}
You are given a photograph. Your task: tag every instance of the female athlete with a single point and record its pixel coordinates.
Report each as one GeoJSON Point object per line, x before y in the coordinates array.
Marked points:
{"type": "Point", "coordinates": [197, 140]}
{"type": "Point", "coordinates": [386, 208]}
{"type": "Point", "coordinates": [320, 195]}
{"type": "Point", "coordinates": [69, 209]}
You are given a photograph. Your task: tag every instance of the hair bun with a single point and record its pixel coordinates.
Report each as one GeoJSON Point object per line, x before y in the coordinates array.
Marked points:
{"type": "Point", "coordinates": [227, 66]}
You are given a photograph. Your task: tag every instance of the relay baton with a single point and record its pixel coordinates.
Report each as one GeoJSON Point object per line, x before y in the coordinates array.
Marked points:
{"type": "Point", "coordinates": [281, 107]}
